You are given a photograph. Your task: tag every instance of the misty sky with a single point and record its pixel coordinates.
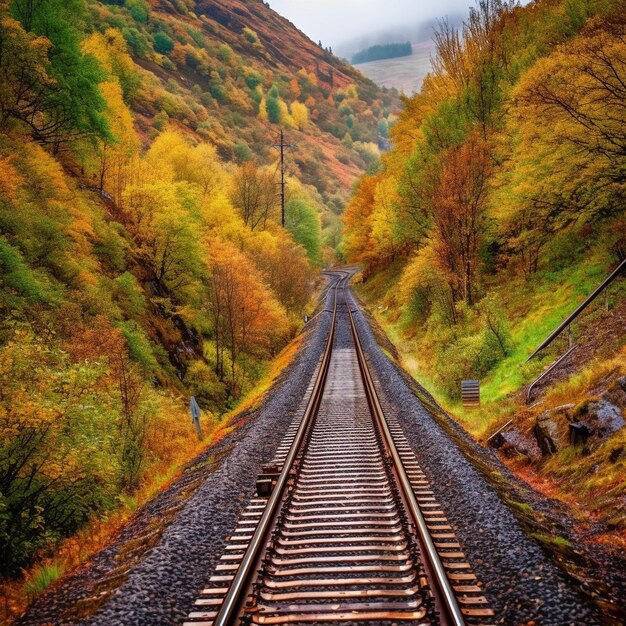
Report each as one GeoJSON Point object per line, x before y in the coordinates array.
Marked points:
{"type": "Point", "coordinates": [338, 21]}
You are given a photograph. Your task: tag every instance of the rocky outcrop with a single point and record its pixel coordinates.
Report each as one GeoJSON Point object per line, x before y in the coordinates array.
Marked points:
{"type": "Point", "coordinates": [588, 424]}
{"type": "Point", "coordinates": [605, 415]}
{"type": "Point", "coordinates": [513, 443]}
{"type": "Point", "coordinates": [552, 429]}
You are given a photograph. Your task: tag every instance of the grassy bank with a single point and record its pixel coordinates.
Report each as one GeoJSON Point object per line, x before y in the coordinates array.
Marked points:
{"type": "Point", "coordinates": [590, 481]}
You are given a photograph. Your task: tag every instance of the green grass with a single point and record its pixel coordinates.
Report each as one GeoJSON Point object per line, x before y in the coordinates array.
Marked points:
{"type": "Point", "coordinates": [43, 577]}
{"type": "Point", "coordinates": [558, 542]}
{"type": "Point", "coordinates": [554, 297]}
{"type": "Point", "coordinates": [533, 309]}
{"type": "Point", "coordinates": [522, 507]}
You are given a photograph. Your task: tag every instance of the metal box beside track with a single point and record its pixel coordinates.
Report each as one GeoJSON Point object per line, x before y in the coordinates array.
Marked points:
{"type": "Point", "coordinates": [470, 392]}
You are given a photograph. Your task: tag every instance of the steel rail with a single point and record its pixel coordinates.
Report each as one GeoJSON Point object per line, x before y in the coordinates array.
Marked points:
{"type": "Point", "coordinates": [588, 300]}
{"type": "Point", "coordinates": [450, 603]}
{"type": "Point", "coordinates": [231, 605]}
{"type": "Point", "coordinates": [550, 369]}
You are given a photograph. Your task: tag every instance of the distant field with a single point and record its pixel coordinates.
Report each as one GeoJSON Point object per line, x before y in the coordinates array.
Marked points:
{"type": "Point", "coordinates": [405, 73]}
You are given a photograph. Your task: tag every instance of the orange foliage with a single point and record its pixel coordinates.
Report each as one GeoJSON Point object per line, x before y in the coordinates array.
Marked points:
{"type": "Point", "coordinates": [247, 320]}
{"type": "Point", "coordinates": [9, 178]}
{"type": "Point", "coordinates": [357, 221]}
{"type": "Point", "coordinates": [294, 89]}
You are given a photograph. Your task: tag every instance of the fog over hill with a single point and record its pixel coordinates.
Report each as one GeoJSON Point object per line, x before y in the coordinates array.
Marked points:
{"type": "Point", "coordinates": [335, 22]}
{"type": "Point", "coordinates": [419, 32]}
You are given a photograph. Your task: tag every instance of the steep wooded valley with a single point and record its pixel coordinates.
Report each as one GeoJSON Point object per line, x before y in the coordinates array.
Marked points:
{"type": "Point", "coordinates": [142, 258]}
{"type": "Point", "coordinates": [498, 210]}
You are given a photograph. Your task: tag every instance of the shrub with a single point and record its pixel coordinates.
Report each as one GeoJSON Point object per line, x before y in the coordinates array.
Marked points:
{"type": "Point", "coordinates": [272, 106]}
{"type": "Point", "coordinates": [250, 35]}
{"type": "Point", "coordinates": [139, 10]}
{"type": "Point", "coordinates": [136, 41]}
{"type": "Point", "coordinates": [253, 80]}
{"type": "Point", "coordinates": [162, 42]}
{"type": "Point", "coordinates": [225, 53]}
{"type": "Point", "coordinates": [217, 89]}
{"type": "Point", "coordinates": [242, 152]}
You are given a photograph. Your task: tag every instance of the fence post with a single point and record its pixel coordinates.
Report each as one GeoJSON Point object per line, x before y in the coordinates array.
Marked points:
{"type": "Point", "coordinates": [195, 416]}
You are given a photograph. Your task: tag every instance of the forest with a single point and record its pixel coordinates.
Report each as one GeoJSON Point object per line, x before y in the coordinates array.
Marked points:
{"type": "Point", "coordinates": [498, 209]}
{"type": "Point", "coordinates": [380, 52]}
{"type": "Point", "coordinates": [510, 161]}
{"type": "Point", "coordinates": [142, 258]}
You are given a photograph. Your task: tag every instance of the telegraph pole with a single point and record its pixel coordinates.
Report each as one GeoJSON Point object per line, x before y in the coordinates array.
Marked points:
{"type": "Point", "coordinates": [281, 146]}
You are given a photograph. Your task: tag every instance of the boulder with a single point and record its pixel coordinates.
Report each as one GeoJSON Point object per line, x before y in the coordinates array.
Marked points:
{"type": "Point", "coordinates": [514, 442]}
{"type": "Point", "coordinates": [602, 416]}
{"type": "Point", "coordinates": [552, 429]}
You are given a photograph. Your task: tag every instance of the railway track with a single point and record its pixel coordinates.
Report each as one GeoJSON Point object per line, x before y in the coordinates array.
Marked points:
{"type": "Point", "coordinates": [345, 527]}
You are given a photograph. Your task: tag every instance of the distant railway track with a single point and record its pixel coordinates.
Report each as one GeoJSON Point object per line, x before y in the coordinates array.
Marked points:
{"type": "Point", "coordinates": [351, 531]}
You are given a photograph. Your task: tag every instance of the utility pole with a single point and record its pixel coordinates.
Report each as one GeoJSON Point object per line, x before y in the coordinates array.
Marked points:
{"type": "Point", "coordinates": [281, 146]}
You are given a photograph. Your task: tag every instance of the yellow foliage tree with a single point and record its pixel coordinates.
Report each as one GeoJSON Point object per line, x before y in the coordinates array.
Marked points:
{"type": "Point", "coordinates": [162, 218]}
{"type": "Point", "coordinates": [246, 319]}
{"type": "Point", "coordinates": [299, 115]}
{"type": "Point", "coordinates": [177, 160]}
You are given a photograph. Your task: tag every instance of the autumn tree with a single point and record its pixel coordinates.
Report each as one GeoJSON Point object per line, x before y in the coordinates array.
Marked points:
{"type": "Point", "coordinates": [112, 160]}
{"type": "Point", "coordinates": [458, 213]}
{"type": "Point", "coordinates": [573, 122]}
{"type": "Point", "coordinates": [357, 220]}
{"type": "Point", "coordinates": [247, 320]}
{"type": "Point", "coordinates": [96, 341]}
{"type": "Point", "coordinates": [177, 160]}
{"type": "Point", "coordinates": [385, 234]}
{"type": "Point", "coordinates": [288, 272]}
{"type": "Point", "coordinates": [166, 235]}
{"type": "Point", "coordinates": [111, 51]}
{"type": "Point", "coordinates": [416, 188]}
{"type": "Point", "coordinates": [132, 423]}
{"type": "Point", "coordinates": [299, 115]}
{"type": "Point", "coordinates": [64, 103]}
{"type": "Point", "coordinates": [254, 194]}
{"type": "Point", "coordinates": [24, 67]}
{"type": "Point", "coordinates": [471, 63]}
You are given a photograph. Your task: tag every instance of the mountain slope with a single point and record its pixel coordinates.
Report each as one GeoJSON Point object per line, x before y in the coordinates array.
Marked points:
{"type": "Point", "coordinates": [224, 58]}
{"type": "Point", "coordinates": [142, 259]}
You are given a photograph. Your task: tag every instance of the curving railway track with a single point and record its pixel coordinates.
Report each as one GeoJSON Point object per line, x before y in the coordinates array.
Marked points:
{"type": "Point", "coordinates": [345, 527]}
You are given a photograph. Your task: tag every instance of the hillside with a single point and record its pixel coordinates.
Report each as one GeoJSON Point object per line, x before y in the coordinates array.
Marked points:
{"type": "Point", "coordinates": [405, 74]}
{"type": "Point", "coordinates": [142, 258]}
{"type": "Point", "coordinates": [222, 59]}
{"type": "Point", "coordinates": [498, 210]}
